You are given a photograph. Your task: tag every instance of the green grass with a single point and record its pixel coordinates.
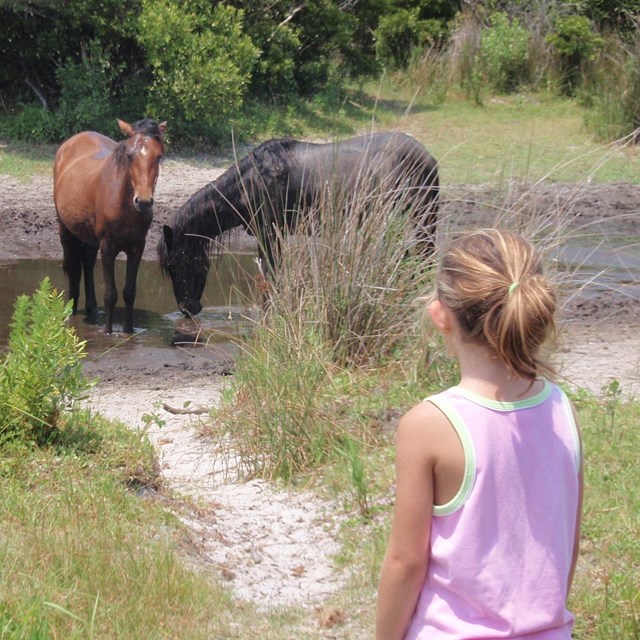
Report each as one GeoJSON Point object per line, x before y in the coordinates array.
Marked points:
{"type": "Point", "coordinates": [606, 594]}
{"type": "Point", "coordinates": [23, 160]}
{"type": "Point", "coordinates": [526, 136]}
{"type": "Point", "coordinates": [84, 555]}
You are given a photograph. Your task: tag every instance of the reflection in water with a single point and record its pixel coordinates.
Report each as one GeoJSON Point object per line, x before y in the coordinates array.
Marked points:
{"type": "Point", "coordinates": [157, 321]}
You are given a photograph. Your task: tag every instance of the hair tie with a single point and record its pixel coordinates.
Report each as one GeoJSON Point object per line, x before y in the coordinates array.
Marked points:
{"type": "Point", "coordinates": [513, 286]}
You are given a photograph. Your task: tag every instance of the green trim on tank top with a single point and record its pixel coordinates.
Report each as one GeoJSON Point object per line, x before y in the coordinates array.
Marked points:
{"type": "Point", "coordinates": [469, 459]}
{"type": "Point", "coordinates": [498, 405]}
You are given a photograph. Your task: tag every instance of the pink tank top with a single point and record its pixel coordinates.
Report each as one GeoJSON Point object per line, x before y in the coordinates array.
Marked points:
{"type": "Point", "coordinates": [501, 550]}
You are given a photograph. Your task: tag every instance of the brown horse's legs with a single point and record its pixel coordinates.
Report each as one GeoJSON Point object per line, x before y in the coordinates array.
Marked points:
{"type": "Point", "coordinates": [89, 256]}
{"type": "Point", "coordinates": [71, 264]}
{"type": "Point", "coordinates": [110, 291]}
{"type": "Point", "coordinates": [129, 291]}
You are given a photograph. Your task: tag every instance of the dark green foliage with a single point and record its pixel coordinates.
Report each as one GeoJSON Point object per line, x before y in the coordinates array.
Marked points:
{"type": "Point", "coordinates": [32, 123]}
{"type": "Point", "coordinates": [86, 99]}
{"type": "Point", "coordinates": [201, 63]}
{"type": "Point", "coordinates": [40, 375]}
{"type": "Point", "coordinates": [396, 36]}
{"type": "Point", "coordinates": [504, 51]}
{"type": "Point", "coordinates": [65, 67]}
{"type": "Point", "coordinates": [576, 43]}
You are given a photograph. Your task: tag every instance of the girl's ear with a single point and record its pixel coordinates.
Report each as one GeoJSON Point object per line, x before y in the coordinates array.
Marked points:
{"type": "Point", "coordinates": [440, 316]}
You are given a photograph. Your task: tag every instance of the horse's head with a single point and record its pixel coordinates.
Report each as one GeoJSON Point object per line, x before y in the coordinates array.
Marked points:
{"type": "Point", "coordinates": [142, 152]}
{"type": "Point", "coordinates": [185, 258]}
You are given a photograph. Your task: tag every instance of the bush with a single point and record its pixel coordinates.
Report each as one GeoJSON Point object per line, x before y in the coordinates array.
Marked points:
{"type": "Point", "coordinates": [30, 124]}
{"type": "Point", "coordinates": [505, 53]}
{"type": "Point", "coordinates": [612, 91]}
{"type": "Point", "coordinates": [340, 299]}
{"type": "Point", "coordinates": [41, 375]}
{"type": "Point", "coordinates": [397, 34]}
{"type": "Point", "coordinates": [576, 43]}
{"type": "Point", "coordinates": [201, 64]}
{"type": "Point", "coordinates": [85, 94]}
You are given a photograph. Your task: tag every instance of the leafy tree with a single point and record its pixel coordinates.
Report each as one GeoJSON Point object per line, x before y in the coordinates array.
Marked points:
{"type": "Point", "coordinates": [201, 62]}
{"type": "Point", "coordinates": [576, 43]}
{"type": "Point", "coordinates": [504, 51]}
{"type": "Point", "coordinates": [40, 36]}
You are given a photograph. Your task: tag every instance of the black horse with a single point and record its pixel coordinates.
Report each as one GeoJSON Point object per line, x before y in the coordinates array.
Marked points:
{"type": "Point", "coordinates": [266, 190]}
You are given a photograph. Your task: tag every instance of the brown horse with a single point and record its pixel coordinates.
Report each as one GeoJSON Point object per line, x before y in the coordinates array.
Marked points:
{"type": "Point", "coordinates": [103, 192]}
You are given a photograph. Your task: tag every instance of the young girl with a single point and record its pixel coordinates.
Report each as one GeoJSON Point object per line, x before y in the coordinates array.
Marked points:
{"type": "Point", "coordinates": [486, 526]}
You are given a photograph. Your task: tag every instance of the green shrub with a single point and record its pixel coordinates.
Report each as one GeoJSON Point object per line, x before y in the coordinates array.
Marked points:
{"type": "Point", "coordinates": [505, 52]}
{"type": "Point", "coordinates": [30, 123]}
{"type": "Point", "coordinates": [575, 43]}
{"type": "Point", "coordinates": [397, 34]}
{"type": "Point", "coordinates": [612, 91]}
{"type": "Point", "coordinates": [340, 299]}
{"type": "Point", "coordinates": [201, 64]}
{"type": "Point", "coordinates": [85, 93]}
{"type": "Point", "coordinates": [40, 375]}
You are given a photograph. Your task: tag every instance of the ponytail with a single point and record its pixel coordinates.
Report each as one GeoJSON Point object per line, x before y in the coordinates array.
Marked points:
{"type": "Point", "coordinates": [493, 283]}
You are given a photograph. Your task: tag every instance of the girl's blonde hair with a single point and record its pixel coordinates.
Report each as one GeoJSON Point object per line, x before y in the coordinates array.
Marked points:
{"type": "Point", "coordinates": [493, 283]}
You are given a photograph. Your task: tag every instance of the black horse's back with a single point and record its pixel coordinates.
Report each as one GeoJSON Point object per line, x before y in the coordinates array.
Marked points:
{"type": "Point", "coordinates": [267, 190]}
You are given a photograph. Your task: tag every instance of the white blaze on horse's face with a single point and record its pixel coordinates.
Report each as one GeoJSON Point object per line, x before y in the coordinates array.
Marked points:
{"type": "Point", "coordinates": [145, 155]}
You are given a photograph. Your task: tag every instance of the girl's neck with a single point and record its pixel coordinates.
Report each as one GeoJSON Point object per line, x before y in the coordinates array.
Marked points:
{"type": "Point", "coordinates": [484, 373]}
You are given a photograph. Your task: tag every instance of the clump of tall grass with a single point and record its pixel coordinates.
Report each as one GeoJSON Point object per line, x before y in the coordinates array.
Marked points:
{"type": "Point", "coordinates": [340, 298]}
{"type": "Point", "coordinates": [612, 91]}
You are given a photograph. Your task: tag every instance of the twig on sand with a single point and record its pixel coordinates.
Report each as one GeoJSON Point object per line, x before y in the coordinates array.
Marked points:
{"type": "Point", "coordinates": [187, 410]}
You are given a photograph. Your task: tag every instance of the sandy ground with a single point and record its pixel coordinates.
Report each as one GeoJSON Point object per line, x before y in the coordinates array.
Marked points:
{"type": "Point", "coordinates": [273, 546]}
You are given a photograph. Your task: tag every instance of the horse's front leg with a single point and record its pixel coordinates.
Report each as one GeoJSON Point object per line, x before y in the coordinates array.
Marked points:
{"type": "Point", "coordinates": [89, 256]}
{"type": "Point", "coordinates": [108, 255]}
{"type": "Point", "coordinates": [129, 293]}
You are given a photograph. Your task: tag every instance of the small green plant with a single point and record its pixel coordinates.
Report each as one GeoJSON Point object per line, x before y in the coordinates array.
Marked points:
{"type": "Point", "coordinates": [349, 450]}
{"type": "Point", "coordinates": [504, 50]}
{"type": "Point", "coordinates": [40, 375]}
{"type": "Point", "coordinates": [575, 43]}
{"type": "Point", "coordinates": [152, 418]}
{"type": "Point", "coordinates": [612, 394]}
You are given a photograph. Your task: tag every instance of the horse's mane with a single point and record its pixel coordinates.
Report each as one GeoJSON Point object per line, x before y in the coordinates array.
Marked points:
{"type": "Point", "coordinates": [147, 127]}
{"type": "Point", "coordinates": [262, 167]}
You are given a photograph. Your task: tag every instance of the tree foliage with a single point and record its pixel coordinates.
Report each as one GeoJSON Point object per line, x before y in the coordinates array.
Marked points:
{"type": "Point", "coordinates": [71, 66]}
{"type": "Point", "coordinates": [201, 61]}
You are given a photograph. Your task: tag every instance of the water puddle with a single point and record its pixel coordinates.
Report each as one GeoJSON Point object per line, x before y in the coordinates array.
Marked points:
{"type": "Point", "coordinates": [159, 326]}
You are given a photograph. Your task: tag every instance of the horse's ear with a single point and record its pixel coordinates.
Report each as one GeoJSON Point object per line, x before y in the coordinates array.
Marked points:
{"type": "Point", "coordinates": [126, 128]}
{"type": "Point", "coordinates": [167, 234]}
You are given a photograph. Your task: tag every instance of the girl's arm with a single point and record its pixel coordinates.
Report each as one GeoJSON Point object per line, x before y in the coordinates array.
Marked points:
{"type": "Point", "coordinates": [407, 557]}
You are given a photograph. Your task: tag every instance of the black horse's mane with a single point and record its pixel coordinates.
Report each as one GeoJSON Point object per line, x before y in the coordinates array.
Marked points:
{"type": "Point", "coordinates": [217, 207]}
{"type": "Point", "coordinates": [147, 127]}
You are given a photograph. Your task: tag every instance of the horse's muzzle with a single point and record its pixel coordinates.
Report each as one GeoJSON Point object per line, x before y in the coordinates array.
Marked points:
{"type": "Point", "coordinates": [142, 205]}
{"type": "Point", "coordinates": [190, 307]}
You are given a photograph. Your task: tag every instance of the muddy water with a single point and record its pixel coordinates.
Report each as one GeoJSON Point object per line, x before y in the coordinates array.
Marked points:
{"type": "Point", "coordinates": [160, 329]}
{"type": "Point", "coordinates": [616, 270]}
{"type": "Point", "coordinates": [163, 336]}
